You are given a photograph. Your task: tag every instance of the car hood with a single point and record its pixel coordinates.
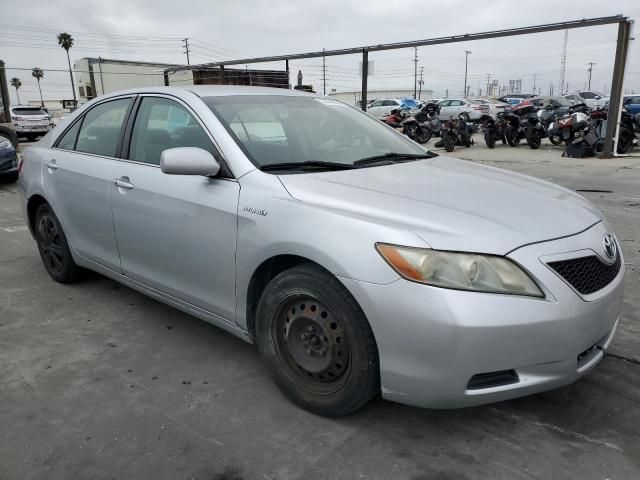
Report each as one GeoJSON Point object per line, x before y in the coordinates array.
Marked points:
{"type": "Point", "coordinates": [451, 204]}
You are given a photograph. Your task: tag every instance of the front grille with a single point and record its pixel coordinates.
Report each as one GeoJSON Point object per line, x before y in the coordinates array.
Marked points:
{"type": "Point", "coordinates": [587, 274]}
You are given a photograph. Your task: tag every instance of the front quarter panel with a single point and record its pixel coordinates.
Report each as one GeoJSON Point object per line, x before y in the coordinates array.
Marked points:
{"type": "Point", "coordinates": [272, 223]}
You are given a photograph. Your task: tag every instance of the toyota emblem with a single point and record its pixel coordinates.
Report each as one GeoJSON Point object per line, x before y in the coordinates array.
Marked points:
{"type": "Point", "coordinates": [609, 244]}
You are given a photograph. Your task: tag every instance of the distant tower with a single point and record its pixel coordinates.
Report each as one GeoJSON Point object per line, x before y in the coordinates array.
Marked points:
{"type": "Point", "coordinates": [563, 62]}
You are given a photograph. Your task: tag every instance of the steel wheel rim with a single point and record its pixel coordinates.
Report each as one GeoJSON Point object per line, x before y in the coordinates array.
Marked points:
{"type": "Point", "coordinates": [313, 343]}
{"type": "Point", "coordinates": [50, 242]}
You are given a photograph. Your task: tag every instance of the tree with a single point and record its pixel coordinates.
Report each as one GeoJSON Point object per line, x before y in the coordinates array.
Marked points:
{"type": "Point", "coordinates": [38, 73]}
{"type": "Point", "coordinates": [66, 41]}
{"type": "Point", "coordinates": [16, 83]}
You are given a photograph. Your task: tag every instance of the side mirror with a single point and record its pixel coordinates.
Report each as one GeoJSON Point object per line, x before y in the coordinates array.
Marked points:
{"type": "Point", "coordinates": [188, 161]}
{"type": "Point", "coordinates": [627, 101]}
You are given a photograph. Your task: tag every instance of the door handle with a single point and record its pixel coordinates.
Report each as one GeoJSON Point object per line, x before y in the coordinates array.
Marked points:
{"type": "Point", "coordinates": [123, 182]}
{"type": "Point", "coordinates": [52, 165]}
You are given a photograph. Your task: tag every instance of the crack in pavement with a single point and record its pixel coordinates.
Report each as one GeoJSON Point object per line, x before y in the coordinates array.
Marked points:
{"type": "Point", "coordinates": [623, 358]}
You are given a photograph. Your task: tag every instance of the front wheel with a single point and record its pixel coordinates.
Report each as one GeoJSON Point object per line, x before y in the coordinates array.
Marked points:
{"type": "Point", "coordinates": [513, 138]}
{"type": "Point", "coordinates": [316, 342]}
{"type": "Point", "coordinates": [490, 139]}
{"type": "Point", "coordinates": [533, 138]}
{"type": "Point", "coordinates": [555, 139]}
{"type": "Point", "coordinates": [423, 134]}
{"type": "Point", "coordinates": [625, 141]}
{"type": "Point", "coordinates": [53, 247]}
{"type": "Point", "coordinates": [449, 142]}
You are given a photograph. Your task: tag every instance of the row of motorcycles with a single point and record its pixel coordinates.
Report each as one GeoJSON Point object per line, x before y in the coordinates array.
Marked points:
{"type": "Point", "coordinates": [424, 124]}
{"type": "Point", "coordinates": [573, 126]}
{"type": "Point", "coordinates": [577, 125]}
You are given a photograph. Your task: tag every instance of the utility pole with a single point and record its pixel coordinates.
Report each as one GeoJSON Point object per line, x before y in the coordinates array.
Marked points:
{"type": "Point", "coordinates": [324, 74]}
{"type": "Point", "coordinates": [563, 63]}
{"type": "Point", "coordinates": [591, 64]}
{"type": "Point", "coordinates": [186, 49]}
{"type": "Point", "coordinates": [466, 62]}
{"type": "Point", "coordinates": [488, 80]}
{"type": "Point", "coordinates": [415, 72]}
{"type": "Point", "coordinates": [420, 82]}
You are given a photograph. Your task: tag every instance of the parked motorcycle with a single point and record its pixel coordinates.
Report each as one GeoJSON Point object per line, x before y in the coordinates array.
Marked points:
{"type": "Point", "coordinates": [570, 127]}
{"type": "Point", "coordinates": [406, 123]}
{"type": "Point", "coordinates": [539, 125]}
{"type": "Point", "coordinates": [629, 129]}
{"type": "Point", "coordinates": [455, 131]}
{"type": "Point", "coordinates": [506, 127]}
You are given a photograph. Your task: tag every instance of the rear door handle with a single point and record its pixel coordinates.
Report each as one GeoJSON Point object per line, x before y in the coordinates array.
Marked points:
{"type": "Point", "coordinates": [123, 183]}
{"type": "Point", "coordinates": [52, 165]}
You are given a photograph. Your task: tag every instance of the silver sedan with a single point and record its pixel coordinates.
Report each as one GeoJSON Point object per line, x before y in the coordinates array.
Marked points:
{"type": "Point", "coordinates": [358, 262]}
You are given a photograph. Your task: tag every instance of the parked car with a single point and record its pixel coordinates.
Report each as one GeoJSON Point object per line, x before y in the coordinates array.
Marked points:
{"type": "Point", "coordinates": [515, 98]}
{"type": "Point", "coordinates": [8, 161]}
{"type": "Point", "coordinates": [30, 122]}
{"type": "Point", "coordinates": [573, 98]}
{"type": "Point", "coordinates": [472, 109]}
{"type": "Point", "coordinates": [560, 105]}
{"type": "Point", "coordinates": [382, 108]}
{"type": "Point", "coordinates": [495, 106]}
{"type": "Point", "coordinates": [358, 262]}
{"type": "Point", "coordinates": [589, 98]}
{"type": "Point", "coordinates": [632, 103]}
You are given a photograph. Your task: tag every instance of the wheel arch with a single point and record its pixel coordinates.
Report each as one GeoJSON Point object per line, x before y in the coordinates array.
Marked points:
{"type": "Point", "coordinates": [33, 204]}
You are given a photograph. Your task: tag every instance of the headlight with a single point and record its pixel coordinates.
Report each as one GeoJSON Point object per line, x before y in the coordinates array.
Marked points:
{"type": "Point", "coordinates": [461, 271]}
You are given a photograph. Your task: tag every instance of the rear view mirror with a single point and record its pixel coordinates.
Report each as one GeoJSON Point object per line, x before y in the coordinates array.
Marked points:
{"type": "Point", "coordinates": [188, 161]}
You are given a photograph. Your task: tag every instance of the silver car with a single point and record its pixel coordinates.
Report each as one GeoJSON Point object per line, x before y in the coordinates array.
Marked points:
{"type": "Point", "coordinates": [357, 261]}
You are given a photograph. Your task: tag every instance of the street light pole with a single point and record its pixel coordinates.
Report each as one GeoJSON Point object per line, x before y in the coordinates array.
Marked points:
{"type": "Point", "coordinates": [591, 64]}
{"type": "Point", "coordinates": [466, 61]}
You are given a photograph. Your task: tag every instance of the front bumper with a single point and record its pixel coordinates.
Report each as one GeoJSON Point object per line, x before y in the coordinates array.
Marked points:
{"type": "Point", "coordinates": [432, 341]}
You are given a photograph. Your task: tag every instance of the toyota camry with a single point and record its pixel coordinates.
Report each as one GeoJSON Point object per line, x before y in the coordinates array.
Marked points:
{"type": "Point", "coordinates": [358, 262]}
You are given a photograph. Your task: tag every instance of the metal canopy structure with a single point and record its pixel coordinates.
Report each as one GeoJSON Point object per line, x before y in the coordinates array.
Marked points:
{"type": "Point", "coordinates": [624, 30]}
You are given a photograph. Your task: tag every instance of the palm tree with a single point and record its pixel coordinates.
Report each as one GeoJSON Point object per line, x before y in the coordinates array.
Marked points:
{"type": "Point", "coordinates": [38, 73]}
{"type": "Point", "coordinates": [66, 41]}
{"type": "Point", "coordinates": [16, 83]}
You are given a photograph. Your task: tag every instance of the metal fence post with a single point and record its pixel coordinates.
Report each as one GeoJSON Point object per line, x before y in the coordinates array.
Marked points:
{"type": "Point", "coordinates": [615, 99]}
{"type": "Point", "coordinates": [365, 76]}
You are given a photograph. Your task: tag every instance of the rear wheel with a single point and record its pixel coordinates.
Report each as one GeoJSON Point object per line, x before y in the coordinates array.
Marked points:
{"type": "Point", "coordinates": [53, 247]}
{"type": "Point", "coordinates": [316, 342]}
{"type": "Point", "coordinates": [555, 139]}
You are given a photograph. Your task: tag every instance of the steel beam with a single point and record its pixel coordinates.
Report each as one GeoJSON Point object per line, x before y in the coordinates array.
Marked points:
{"type": "Point", "coordinates": [4, 93]}
{"type": "Point", "coordinates": [549, 27]}
{"type": "Point", "coordinates": [615, 99]}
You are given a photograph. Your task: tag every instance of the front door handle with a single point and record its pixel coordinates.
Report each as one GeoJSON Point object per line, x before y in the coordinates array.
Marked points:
{"type": "Point", "coordinates": [123, 182]}
{"type": "Point", "coordinates": [52, 165]}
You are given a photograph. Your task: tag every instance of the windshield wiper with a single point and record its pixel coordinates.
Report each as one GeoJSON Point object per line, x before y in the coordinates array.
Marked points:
{"type": "Point", "coordinates": [308, 165]}
{"type": "Point", "coordinates": [393, 157]}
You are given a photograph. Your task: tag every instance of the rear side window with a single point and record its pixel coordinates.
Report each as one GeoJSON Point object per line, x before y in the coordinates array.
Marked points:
{"type": "Point", "coordinates": [101, 128]}
{"type": "Point", "coordinates": [68, 140]}
{"type": "Point", "coordinates": [162, 124]}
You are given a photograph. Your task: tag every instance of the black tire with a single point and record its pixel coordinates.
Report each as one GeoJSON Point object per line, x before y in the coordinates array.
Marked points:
{"type": "Point", "coordinates": [555, 139]}
{"type": "Point", "coordinates": [533, 138]}
{"type": "Point", "coordinates": [32, 137]}
{"type": "Point", "coordinates": [513, 138]}
{"type": "Point", "coordinates": [490, 139]}
{"type": "Point", "coordinates": [465, 139]}
{"type": "Point", "coordinates": [449, 142]}
{"type": "Point", "coordinates": [465, 116]}
{"type": "Point", "coordinates": [53, 247]}
{"type": "Point", "coordinates": [625, 141]}
{"type": "Point", "coordinates": [503, 139]}
{"type": "Point", "coordinates": [316, 342]}
{"type": "Point", "coordinates": [410, 131]}
{"type": "Point", "coordinates": [9, 178]}
{"type": "Point", "coordinates": [423, 134]}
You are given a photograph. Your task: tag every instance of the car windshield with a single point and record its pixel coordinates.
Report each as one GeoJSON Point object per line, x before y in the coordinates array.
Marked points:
{"type": "Point", "coordinates": [282, 129]}
{"type": "Point", "coordinates": [562, 101]}
{"type": "Point", "coordinates": [28, 111]}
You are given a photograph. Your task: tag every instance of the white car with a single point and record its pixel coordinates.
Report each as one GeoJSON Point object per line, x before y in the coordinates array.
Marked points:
{"type": "Point", "coordinates": [382, 108]}
{"type": "Point", "coordinates": [495, 106]}
{"type": "Point", "coordinates": [30, 122]}
{"type": "Point", "coordinates": [590, 98]}
{"type": "Point", "coordinates": [452, 107]}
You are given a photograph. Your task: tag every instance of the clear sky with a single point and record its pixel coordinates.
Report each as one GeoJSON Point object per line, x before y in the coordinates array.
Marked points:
{"type": "Point", "coordinates": [152, 31]}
